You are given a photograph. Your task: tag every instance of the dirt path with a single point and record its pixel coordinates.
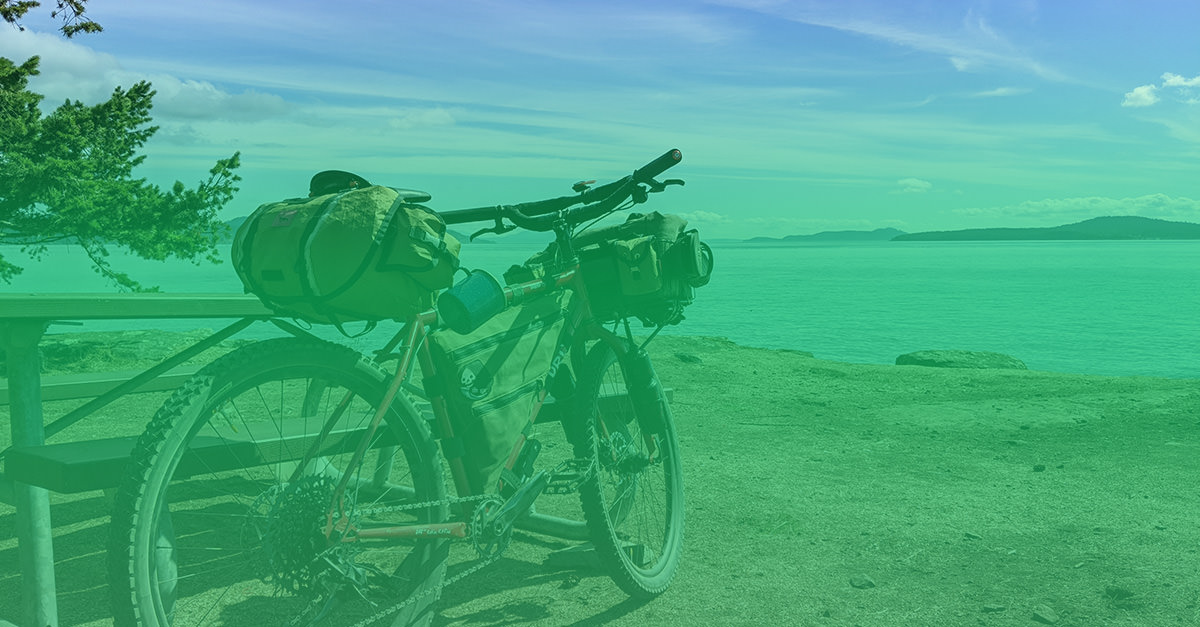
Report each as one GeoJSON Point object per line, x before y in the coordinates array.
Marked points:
{"type": "Point", "coordinates": [823, 493]}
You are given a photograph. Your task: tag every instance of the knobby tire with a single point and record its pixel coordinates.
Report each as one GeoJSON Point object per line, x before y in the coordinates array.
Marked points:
{"type": "Point", "coordinates": [633, 504]}
{"type": "Point", "coordinates": [225, 538]}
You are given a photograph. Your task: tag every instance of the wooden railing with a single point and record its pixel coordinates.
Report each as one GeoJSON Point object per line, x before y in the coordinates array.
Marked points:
{"type": "Point", "coordinates": [23, 321]}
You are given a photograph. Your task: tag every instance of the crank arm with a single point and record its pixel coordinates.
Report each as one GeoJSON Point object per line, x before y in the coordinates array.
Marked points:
{"type": "Point", "coordinates": [521, 501]}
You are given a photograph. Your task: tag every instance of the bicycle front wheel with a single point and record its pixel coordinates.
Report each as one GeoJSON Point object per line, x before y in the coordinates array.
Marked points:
{"type": "Point", "coordinates": [633, 500]}
{"type": "Point", "coordinates": [232, 510]}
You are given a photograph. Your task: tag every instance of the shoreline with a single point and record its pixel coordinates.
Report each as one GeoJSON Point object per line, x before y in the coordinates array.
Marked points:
{"type": "Point", "coordinates": [70, 352]}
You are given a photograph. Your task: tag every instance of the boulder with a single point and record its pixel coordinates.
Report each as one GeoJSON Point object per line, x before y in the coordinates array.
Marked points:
{"type": "Point", "coordinates": [960, 359]}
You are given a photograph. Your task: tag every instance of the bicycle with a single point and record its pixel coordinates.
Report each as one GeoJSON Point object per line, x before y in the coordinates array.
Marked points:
{"type": "Point", "coordinates": [321, 495]}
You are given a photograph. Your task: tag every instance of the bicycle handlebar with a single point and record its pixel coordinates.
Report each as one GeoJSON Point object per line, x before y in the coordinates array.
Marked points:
{"type": "Point", "coordinates": [534, 216]}
{"type": "Point", "coordinates": [647, 172]}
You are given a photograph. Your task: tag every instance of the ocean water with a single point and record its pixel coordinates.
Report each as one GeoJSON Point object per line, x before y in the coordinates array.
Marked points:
{"type": "Point", "coordinates": [1117, 308]}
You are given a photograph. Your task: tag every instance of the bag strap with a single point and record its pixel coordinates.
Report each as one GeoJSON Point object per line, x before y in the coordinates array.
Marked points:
{"type": "Point", "coordinates": [435, 244]}
{"type": "Point", "coordinates": [706, 256]}
{"type": "Point", "coordinates": [363, 267]}
{"type": "Point", "coordinates": [370, 326]}
{"type": "Point", "coordinates": [251, 232]}
{"type": "Point", "coordinates": [247, 242]}
{"type": "Point", "coordinates": [509, 334]}
{"type": "Point", "coordinates": [319, 304]}
{"type": "Point", "coordinates": [304, 258]}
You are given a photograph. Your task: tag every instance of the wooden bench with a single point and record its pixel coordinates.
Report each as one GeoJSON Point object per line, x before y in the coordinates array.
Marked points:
{"type": "Point", "coordinates": [90, 385]}
{"type": "Point", "coordinates": [73, 467]}
{"type": "Point", "coordinates": [99, 464]}
{"type": "Point", "coordinates": [81, 466]}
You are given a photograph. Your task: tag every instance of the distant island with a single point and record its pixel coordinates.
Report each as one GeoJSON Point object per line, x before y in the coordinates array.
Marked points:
{"type": "Point", "coordinates": [878, 235]}
{"type": "Point", "coordinates": [1105, 228]}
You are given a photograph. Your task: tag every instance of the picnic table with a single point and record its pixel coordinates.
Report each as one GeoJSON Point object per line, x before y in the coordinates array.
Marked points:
{"type": "Point", "coordinates": [23, 322]}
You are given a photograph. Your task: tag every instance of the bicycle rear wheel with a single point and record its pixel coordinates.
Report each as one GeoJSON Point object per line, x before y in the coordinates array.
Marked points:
{"type": "Point", "coordinates": [633, 503]}
{"type": "Point", "coordinates": [224, 512]}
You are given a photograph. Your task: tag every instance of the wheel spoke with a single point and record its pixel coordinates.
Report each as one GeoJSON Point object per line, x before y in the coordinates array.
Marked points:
{"type": "Point", "coordinates": [634, 506]}
{"type": "Point", "coordinates": [241, 542]}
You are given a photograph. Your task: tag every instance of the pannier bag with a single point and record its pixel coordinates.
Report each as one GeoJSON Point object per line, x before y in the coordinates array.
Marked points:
{"type": "Point", "coordinates": [646, 268]}
{"type": "Point", "coordinates": [370, 254]}
{"type": "Point", "coordinates": [491, 377]}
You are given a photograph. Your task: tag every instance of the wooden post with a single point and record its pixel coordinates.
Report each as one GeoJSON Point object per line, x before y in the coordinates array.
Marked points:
{"type": "Point", "coordinates": [20, 338]}
{"type": "Point", "coordinates": [23, 319]}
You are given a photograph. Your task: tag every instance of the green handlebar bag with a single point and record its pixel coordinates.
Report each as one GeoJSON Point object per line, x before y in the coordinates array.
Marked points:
{"type": "Point", "coordinates": [647, 268]}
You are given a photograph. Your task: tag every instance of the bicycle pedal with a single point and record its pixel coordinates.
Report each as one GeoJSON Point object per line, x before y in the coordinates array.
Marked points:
{"type": "Point", "coordinates": [567, 478]}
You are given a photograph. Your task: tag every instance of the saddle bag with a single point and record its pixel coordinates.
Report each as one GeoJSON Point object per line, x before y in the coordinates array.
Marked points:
{"type": "Point", "coordinates": [364, 254]}
{"type": "Point", "coordinates": [491, 378]}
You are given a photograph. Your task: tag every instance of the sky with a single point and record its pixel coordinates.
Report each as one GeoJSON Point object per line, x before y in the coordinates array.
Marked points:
{"type": "Point", "coordinates": [792, 116]}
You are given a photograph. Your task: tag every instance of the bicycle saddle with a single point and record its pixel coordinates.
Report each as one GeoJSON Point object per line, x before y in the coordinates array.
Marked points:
{"type": "Point", "coordinates": [413, 195]}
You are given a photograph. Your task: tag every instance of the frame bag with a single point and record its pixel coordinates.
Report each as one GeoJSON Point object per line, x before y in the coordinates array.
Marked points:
{"type": "Point", "coordinates": [364, 254]}
{"type": "Point", "coordinates": [491, 378]}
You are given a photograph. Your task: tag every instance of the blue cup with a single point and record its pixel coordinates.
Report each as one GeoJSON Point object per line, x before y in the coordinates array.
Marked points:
{"type": "Point", "coordinates": [471, 302]}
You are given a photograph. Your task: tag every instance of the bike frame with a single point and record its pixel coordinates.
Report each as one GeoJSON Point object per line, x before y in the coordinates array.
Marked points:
{"type": "Point", "coordinates": [413, 340]}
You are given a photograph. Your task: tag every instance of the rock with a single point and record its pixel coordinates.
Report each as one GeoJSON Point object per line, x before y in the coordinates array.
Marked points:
{"type": "Point", "coordinates": [1121, 597]}
{"type": "Point", "coordinates": [978, 360]}
{"type": "Point", "coordinates": [862, 582]}
{"type": "Point", "coordinates": [1044, 615]}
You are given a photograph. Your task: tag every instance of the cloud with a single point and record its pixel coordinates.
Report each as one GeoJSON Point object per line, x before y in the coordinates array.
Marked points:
{"type": "Point", "coordinates": [72, 71]}
{"type": "Point", "coordinates": [913, 186]}
{"type": "Point", "coordinates": [201, 100]}
{"type": "Point", "coordinates": [68, 70]}
{"type": "Point", "coordinates": [1143, 96]}
{"type": "Point", "coordinates": [422, 118]}
{"type": "Point", "coordinates": [704, 217]}
{"type": "Point", "coordinates": [1175, 80]}
{"type": "Point", "coordinates": [1002, 91]}
{"type": "Point", "coordinates": [969, 43]}
{"type": "Point", "coordinates": [1178, 86]}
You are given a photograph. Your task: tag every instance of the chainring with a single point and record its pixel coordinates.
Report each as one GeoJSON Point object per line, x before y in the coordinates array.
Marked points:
{"type": "Point", "coordinates": [489, 542]}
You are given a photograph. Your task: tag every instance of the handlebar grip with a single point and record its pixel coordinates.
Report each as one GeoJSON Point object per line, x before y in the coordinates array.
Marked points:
{"type": "Point", "coordinates": [658, 166]}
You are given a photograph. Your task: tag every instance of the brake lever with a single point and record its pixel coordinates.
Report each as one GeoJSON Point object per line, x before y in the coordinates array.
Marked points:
{"type": "Point", "coordinates": [639, 194]}
{"type": "Point", "coordinates": [500, 228]}
{"type": "Point", "coordinates": [656, 187]}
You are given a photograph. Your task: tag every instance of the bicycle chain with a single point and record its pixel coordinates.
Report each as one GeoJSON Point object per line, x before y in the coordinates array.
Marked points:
{"type": "Point", "coordinates": [388, 611]}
